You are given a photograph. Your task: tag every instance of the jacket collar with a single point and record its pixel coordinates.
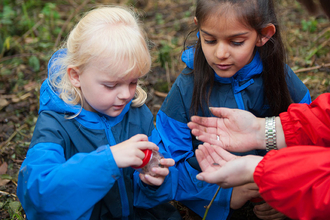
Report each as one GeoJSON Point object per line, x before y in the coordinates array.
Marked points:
{"type": "Point", "coordinates": [255, 67]}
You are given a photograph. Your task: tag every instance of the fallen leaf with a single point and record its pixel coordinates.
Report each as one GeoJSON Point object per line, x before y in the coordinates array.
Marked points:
{"type": "Point", "coordinates": [3, 168]}
{"type": "Point", "coordinates": [3, 103]}
{"type": "Point", "coordinates": [4, 182]}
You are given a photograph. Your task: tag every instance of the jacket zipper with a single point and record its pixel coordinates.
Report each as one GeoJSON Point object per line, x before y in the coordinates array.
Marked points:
{"type": "Point", "coordinates": [121, 182]}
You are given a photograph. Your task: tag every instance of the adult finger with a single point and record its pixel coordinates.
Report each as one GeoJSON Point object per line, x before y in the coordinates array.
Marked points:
{"type": "Point", "coordinates": [215, 157]}
{"type": "Point", "coordinates": [198, 129]}
{"type": "Point", "coordinates": [221, 112]}
{"type": "Point", "coordinates": [203, 163]}
{"type": "Point", "coordinates": [213, 177]}
{"type": "Point", "coordinates": [204, 121]}
{"type": "Point", "coordinates": [224, 154]}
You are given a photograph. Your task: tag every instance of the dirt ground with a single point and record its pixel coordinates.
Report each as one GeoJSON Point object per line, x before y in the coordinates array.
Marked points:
{"type": "Point", "coordinates": [167, 24]}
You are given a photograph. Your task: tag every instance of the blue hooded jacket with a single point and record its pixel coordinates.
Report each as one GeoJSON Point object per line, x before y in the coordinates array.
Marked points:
{"type": "Point", "coordinates": [244, 91]}
{"type": "Point", "coordinates": [70, 173]}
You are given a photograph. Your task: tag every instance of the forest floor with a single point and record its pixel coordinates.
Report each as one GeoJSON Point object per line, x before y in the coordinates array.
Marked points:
{"type": "Point", "coordinates": [24, 55]}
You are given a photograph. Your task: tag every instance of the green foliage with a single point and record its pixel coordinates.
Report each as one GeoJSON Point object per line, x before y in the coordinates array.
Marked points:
{"type": "Point", "coordinates": [34, 63]}
{"type": "Point", "coordinates": [159, 18]}
{"type": "Point", "coordinates": [14, 209]}
{"type": "Point", "coordinates": [7, 15]}
{"type": "Point", "coordinates": [310, 25]}
{"type": "Point", "coordinates": [24, 24]}
{"type": "Point", "coordinates": [164, 54]}
{"type": "Point", "coordinates": [161, 86]}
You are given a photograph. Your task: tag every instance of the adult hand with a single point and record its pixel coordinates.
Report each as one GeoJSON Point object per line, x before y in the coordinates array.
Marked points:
{"type": "Point", "coordinates": [266, 212]}
{"type": "Point", "coordinates": [232, 129]}
{"type": "Point", "coordinates": [160, 173]}
{"type": "Point", "coordinates": [223, 168]}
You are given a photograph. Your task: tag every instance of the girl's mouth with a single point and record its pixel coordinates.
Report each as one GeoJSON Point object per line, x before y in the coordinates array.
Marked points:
{"type": "Point", "coordinates": [118, 107]}
{"type": "Point", "coordinates": [223, 66]}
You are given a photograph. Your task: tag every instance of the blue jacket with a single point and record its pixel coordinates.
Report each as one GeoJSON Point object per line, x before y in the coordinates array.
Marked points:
{"type": "Point", "coordinates": [244, 91]}
{"type": "Point", "coordinates": [70, 173]}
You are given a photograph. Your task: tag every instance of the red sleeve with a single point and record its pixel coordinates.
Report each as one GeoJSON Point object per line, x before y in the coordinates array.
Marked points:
{"type": "Point", "coordinates": [308, 124]}
{"type": "Point", "coordinates": [296, 181]}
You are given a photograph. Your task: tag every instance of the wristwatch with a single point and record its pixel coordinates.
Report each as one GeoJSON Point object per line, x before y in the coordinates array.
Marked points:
{"type": "Point", "coordinates": [270, 133]}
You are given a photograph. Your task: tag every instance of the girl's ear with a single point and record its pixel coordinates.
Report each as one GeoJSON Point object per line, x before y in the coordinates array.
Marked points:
{"type": "Point", "coordinates": [73, 74]}
{"type": "Point", "coordinates": [266, 33]}
{"type": "Point", "coordinates": [195, 20]}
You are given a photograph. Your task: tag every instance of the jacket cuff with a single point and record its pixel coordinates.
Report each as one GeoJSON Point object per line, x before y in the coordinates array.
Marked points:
{"type": "Point", "coordinates": [112, 163]}
{"type": "Point", "coordinates": [259, 170]}
{"type": "Point", "coordinates": [289, 129]}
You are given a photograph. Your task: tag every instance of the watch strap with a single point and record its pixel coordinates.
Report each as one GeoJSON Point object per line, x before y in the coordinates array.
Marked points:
{"type": "Point", "coordinates": [270, 133]}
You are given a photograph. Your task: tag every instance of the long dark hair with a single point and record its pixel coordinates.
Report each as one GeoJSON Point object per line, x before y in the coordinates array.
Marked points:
{"type": "Point", "coordinates": [312, 7]}
{"type": "Point", "coordinates": [256, 14]}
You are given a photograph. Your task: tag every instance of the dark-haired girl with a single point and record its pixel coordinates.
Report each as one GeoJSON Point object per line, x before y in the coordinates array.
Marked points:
{"type": "Point", "coordinates": [237, 62]}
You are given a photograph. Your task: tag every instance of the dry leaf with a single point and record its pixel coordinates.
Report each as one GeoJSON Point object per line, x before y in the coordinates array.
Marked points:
{"type": "Point", "coordinates": [3, 168]}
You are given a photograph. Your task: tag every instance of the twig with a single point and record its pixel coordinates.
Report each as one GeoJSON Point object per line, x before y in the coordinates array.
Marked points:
{"type": "Point", "coordinates": [168, 77]}
{"type": "Point", "coordinates": [209, 205]}
{"type": "Point", "coordinates": [160, 94]}
{"type": "Point", "coordinates": [67, 22]}
{"type": "Point", "coordinates": [12, 136]}
{"type": "Point", "coordinates": [15, 56]}
{"type": "Point", "coordinates": [312, 68]}
{"type": "Point", "coordinates": [5, 193]}
{"type": "Point", "coordinates": [33, 28]}
{"type": "Point", "coordinates": [314, 51]}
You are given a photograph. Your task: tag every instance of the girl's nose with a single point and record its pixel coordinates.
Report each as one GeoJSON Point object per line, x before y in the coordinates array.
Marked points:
{"type": "Point", "coordinates": [124, 92]}
{"type": "Point", "coordinates": [222, 51]}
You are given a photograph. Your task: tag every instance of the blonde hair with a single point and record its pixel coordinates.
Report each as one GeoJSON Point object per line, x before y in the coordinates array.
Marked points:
{"type": "Point", "coordinates": [108, 32]}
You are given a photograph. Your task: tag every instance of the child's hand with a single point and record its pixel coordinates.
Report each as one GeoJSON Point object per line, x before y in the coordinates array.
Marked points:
{"type": "Point", "coordinates": [161, 173]}
{"type": "Point", "coordinates": [129, 153]}
{"type": "Point", "coordinates": [265, 211]}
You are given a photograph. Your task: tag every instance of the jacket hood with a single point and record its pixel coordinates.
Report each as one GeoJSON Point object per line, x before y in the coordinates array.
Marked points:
{"type": "Point", "coordinates": [50, 100]}
{"type": "Point", "coordinates": [255, 67]}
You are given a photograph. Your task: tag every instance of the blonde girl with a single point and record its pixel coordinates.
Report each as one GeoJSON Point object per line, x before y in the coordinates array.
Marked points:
{"type": "Point", "coordinates": [92, 128]}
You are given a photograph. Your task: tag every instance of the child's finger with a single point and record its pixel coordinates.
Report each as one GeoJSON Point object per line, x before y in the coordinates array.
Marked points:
{"type": "Point", "coordinates": [143, 145]}
{"type": "Point", "coordinates": [143, 179]}
{"type": "Point", "coordinates": [139, 137]}
{"type": "Point", "coordinates": [160, 171]}
{"type": "Point", "coordinates": [167, 162]}
{"type": "Point", "coordinates": [154, 180]}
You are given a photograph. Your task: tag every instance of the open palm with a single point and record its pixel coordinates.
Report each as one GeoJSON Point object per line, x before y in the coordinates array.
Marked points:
{"type": "Point", "coordinates": [232, 129]}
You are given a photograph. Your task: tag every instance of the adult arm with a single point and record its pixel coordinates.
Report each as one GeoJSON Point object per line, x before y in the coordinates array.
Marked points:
{"type": "Point", "coordinates": [241, 131]}
{"type": "Point", "coordinates": [308, 124]}
{"type": "Point", "coordinates": [298, 175]}
{"type": "Point", "coordinates": [234, 130]}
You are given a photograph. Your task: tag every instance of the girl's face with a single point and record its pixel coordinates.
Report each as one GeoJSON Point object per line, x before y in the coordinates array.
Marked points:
{"type": "Point", "coordinates": [227, 44]}
{"type": "Point", "coordinates": [106, 92]}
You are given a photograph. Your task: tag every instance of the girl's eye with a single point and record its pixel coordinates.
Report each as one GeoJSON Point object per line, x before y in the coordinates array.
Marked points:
{"type": "Point", "coordinates": [209, 41]}
{"type": "Point", "coordinates": [109, 86]}
{"type": "Point", "coordinates": [134, 82]}
{"type": "Point", "coordinates": [237, 43]}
